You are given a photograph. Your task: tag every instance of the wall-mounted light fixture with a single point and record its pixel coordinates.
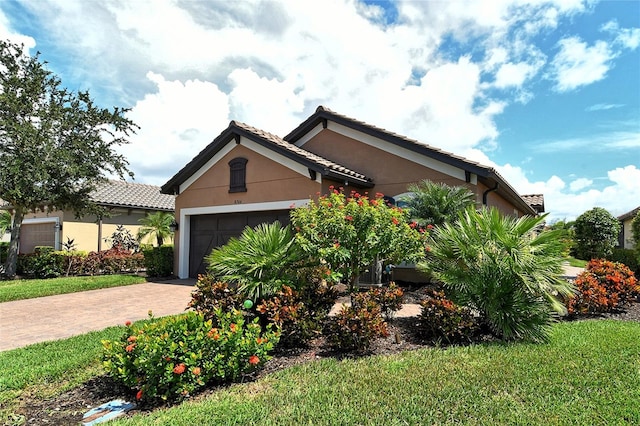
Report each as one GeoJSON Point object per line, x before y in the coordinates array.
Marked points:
{"type": "Point", "coordinates": [174, 226]}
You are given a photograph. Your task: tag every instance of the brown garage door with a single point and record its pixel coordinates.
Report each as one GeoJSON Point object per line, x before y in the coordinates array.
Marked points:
{"type": "Point", "coordinates": [213, 230]}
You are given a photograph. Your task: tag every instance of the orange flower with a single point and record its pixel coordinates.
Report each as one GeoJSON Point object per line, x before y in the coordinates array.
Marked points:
{"type": "Point", "coordinates": [196, 371]}
{"type": "Point", "coordinates": [179, 369]}
{"type": "Point", "coordinates": [233, 328]}
{"type": "Point", "coordinates": [213, 333]}
{"type": "Point", "coordinates": [139, 395]}
{"type": "Point", "coordinates": [254, 360]}
{"type": "Point", "coordinates": [429, 226]}
{"type": "Point", "coordinates": [132, 339]}
{"type": "Point", "coordinates": [128, 323]}
{"type": "Point", "coordinates": [395, 221]}
{"type": "Point", "coordinates": [130, 347]}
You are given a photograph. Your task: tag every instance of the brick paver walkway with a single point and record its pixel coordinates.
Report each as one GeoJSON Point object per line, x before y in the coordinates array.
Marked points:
{"type": "Point", "coordinates": [24, 322]}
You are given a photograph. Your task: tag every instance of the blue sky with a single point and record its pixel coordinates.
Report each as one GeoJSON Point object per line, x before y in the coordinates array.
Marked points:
{"type": "Point", "coordinates": [547, 92]}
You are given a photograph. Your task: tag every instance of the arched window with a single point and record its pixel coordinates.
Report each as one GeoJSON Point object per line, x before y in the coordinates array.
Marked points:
{"type": "Point", "coordinates": [238, 171]}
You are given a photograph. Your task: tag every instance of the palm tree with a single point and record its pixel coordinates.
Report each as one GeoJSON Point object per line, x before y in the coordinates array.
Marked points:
{"type": "Point", "coordinates": [260, 262]}
{"type": "Point", "coordinates": [436, 203]}
{"type": "Point", "coordinates": [158, 224]}
{"type": "Point", "coordinates": [501, 267]}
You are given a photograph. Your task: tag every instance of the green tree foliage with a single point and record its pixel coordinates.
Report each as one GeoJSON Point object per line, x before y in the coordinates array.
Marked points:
{"type": "Point", "coordinates": [351, 233]}
{"type": "Point", "coordinates": [635, 232]}
{"type": "Point", "coordinates": [55, 145]}
{"type": "Point", "coordinates": [596, 234]}
{"type": "Point", "coordinates": [501, 267]}
{"type": "Point", "coordinates": [260, 262]}
{"type": "Point", "coordinates": [156, 224]}
{"type": "Point", "coordinates": [5, 222]}
{"type": "Point", "coordinates": [436, 203]}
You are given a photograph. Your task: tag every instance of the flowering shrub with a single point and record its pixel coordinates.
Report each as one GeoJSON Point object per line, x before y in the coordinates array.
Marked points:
{"type": "Point", "coordinates": [171, 358]}
{"type": "Point", "coordinates": [440, 319]}
{"type": "Point", "coordinates": [351, 232]}
{"type": "Point", "coordinates": [112, 261]}
{"type": "Point", "coordinates": [603, 287]}
{"type": "Point", "coordinates": [355, 327]}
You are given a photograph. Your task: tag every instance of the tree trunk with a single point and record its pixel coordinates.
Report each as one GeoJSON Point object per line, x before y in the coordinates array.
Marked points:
{"type": "Point", "coordinates": [160, 240]}
{"type": "Point", "coordinates": [14, 245]}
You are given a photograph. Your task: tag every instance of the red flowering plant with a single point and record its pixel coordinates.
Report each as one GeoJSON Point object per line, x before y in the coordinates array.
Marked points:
{"type": "Point", "coordinates": [603, 287]}
{"type": "Point", "coordinates": [171, 358]}
{"type": "Point", "coordinates": [351, 232]}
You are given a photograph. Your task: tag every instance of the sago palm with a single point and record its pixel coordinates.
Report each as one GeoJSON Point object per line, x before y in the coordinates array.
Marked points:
{"type": "Point", "coordinates": [436, 203]}
{"type": "Point", "coordinates": [156, 224]}
{"type": "Point", "coordinates": [503, 268]}
{"type": "Point", "coordinates": [259, 262]}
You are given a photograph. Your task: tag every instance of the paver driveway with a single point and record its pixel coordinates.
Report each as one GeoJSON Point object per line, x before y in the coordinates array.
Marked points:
{"type": "Point", "coordinates": [24, 322]}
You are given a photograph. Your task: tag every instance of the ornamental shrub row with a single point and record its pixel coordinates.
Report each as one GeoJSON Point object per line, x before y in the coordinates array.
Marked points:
{"type": "Point", "coordinates": [45, 262]}
{"type": "Point", "coordinates": [168, 359]}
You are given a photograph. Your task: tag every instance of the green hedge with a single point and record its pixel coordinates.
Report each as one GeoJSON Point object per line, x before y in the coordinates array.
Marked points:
{"type": "Point", "coordinates": [158, 261]}
{"type": "Point", "coordinates": [627, 256]}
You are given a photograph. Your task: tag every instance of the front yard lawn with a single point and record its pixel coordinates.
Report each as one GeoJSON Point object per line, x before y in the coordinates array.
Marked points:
{"type": "Point", "coordinates": [587, 374]}
{"type": "Point", "coordinates": [29, 289]}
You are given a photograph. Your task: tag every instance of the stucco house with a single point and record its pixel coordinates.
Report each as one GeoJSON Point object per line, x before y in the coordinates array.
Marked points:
{"type": "Point", "coordinates": [246, 176]}
{"type": "Point", "coordinates": [126, 202]}
{"type": "Point", "coordinates": [625, 239]}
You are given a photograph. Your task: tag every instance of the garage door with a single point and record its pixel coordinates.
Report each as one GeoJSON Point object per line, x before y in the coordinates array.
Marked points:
{"type": "Point", "coordinates": [36, 235]}
{"type": "Point", "coordinates": [214, 230]}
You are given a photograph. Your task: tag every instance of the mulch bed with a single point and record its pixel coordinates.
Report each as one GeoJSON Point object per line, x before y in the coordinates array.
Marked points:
{"type": "Point", "coordinates": [69, 407]}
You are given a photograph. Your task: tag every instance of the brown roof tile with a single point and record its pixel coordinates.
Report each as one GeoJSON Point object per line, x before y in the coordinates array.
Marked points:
{"type": "Point", "coordinates": [135, 195]}
{"type": "Point", "coordinates": [629, 214]}
{"type": "Point", "coordinates": [320, 161]}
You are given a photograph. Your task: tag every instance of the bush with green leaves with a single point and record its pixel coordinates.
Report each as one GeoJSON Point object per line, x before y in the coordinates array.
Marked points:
{"type": "Point", "coordinates": [44, 262]}
{"type": "Point", "coordinates": [388, 297]}
{"type": "Point", "coordinates": [158, 261]}
{"type": "Point", "coordinates": [596, 234]}
{"type": "Point", "coordinates": [352, 232]}
{"type": "Point", "coordinates": [259, 262]}
{"type": "Point", "coordinates": [442, 320]}
{"type": "Point", "coordinates": [501, 267]}
{"type": "Point", "coordinates": [171, 358]}
{"type": "Point", "coordinates": [434, 203]}
{"type": "Point", "coordinates": [604, 286]}
{"type": "Point", "coordinates": [113, 261]}
{"type": "Point", "coordinates": [635, 232]}
{"type": "Point", "coordinates": [628, 257]}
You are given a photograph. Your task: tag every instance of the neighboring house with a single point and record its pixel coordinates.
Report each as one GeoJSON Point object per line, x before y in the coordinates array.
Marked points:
{"type": "Point", "coordinates": [246, 176]}
{"type": "Point", "coordinates": [625, 238]}
{"type": "Point", "coordinates": [126, 202]}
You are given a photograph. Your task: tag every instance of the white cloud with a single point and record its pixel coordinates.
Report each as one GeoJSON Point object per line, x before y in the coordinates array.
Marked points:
{"type": "Point", "coordinates": [600, 142]}
{"type": "Point", "coordinates": [628, 38]}
{"type": "Point", "coordinates": [169, 137]}
{"type": "Point", "coordinates": [619, 195]}
{"type": "Point", "coordinates": [580, 184]}
{"type": "Point", "coordinates": [577, 64]}
{"type": "Point", "coordinates": [603, 107]}
{"type": "Point", "coordinates": [511, 74]}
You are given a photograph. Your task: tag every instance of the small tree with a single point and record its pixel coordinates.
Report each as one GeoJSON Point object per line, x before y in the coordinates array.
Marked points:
{"type": "Point", "coordinates": [158, 224]}
{"type": "Point", "coordinates": [596, 234]}
{"type": "Point", "coordinates": [351, 233]}
{"type": "Point", "coordinates": [436, 203]}
{"type": "Point", "coordinates": [55, 145]}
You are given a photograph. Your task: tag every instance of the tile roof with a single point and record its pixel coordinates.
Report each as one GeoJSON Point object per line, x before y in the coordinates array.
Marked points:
{"type": "Point", "coordinates": [630, 214]}
{"type": "Point", "coordinates": [302, 153]}
{"type": "Point", "coordinates": [534, 199]}
{"type": "Point", "coordinates": [135, 195]}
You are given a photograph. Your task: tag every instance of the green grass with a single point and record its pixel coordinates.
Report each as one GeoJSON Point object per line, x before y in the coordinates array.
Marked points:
{"type": "Point", "coordinates": [28, 289]}
{"type": "Point", "coordinates": [589, 373]}
{"type": "Point", "coordinates": [578, 263]}
{"type": "Point", "coordinates": [47, 369]}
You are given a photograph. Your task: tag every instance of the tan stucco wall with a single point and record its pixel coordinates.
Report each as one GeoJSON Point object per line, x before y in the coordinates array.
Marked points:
{"type": "Point", "coordinates": [495, 200]}
{"type": "Point", "coordinates": [266, 181]}
{"type": "Point", "coordinates": [84, 231]}
{"type": "Point", "coordinates": [628, 235]}
{"type": "Point", "coordinates": [391, 174]}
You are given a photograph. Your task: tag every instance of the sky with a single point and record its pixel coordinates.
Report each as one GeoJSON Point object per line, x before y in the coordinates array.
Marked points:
{"type": "Point", "coordinates": [546, 91]}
